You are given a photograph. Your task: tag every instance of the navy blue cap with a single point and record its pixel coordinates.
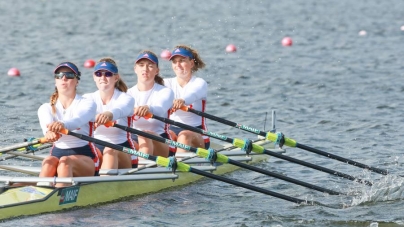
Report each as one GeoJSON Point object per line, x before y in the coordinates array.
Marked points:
{"type": "Point", "coordinates": [182, 52]}
{"type": "Point", "coordinates": [69, 65]}
{"type": "Point", "coordinates": [148, 56]}
{"type": "Point", "coordinates": [106, 66]}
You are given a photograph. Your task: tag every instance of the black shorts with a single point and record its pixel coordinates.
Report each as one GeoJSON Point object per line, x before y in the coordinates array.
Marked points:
{"type": "Point", "coordinates": [124, 144]}
{"type": "Point", "coordinates": [164, 135]}
{"type": "Point", "coordinates": [85, 150]}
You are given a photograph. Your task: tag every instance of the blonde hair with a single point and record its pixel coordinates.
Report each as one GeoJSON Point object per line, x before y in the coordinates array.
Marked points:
{"type": "Point", "coordinates": [199, 64]}
{"type": "Point", "coordinates": [54, 97]}
{"type": "Point", "coordinates": [158, 79]}
{"type": "Point", "coordinates": [120, 85]}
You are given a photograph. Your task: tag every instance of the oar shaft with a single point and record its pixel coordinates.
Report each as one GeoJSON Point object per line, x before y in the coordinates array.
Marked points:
{"type": "Point", "coordinates": [288, 142]}
{"type": "Point", "coordinates": [317, 167]}
{"type": "Point", "coordinates": [224, 121]}
{"type": "Point", "coordinates": [190, 128]}
{"type": "Point", "coordinates": [12, 154]}
{"type": "Point", "coordinates": [35, 157]}
{"type": "Point", "coordinates": [181, 166]}
{"type": "Point", "coordinates": [21, 145]}
{"type": "Point", "coordinates": [18, 170]}
{"type": "Point", "coordinates": [110, 145]}
{"type": "Point", "coordinates": [248, 186]}
{"type": "Point", "coordinates": [285, 178]}
{"type": "Point", "coordinates": [256, 148]}
{"type": "Point", "coordinates": [154, 137]}
{"type": "Point", "coordinates": [339, 158]}
{"type": "Point", "coordinates": [203, 114]}
{"type": "Point", "coordinates": [224, 159]}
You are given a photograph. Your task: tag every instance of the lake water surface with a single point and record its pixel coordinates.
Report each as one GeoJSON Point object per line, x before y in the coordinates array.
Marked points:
{"type": "Point", "coordinates": [333, 90]}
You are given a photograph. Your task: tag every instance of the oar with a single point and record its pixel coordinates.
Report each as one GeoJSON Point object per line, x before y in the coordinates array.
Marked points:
{"type": "Point", "coordinates": [16, 154]}
{"type": "Point", "coordinates": [256, 148]}
{"type": "Point", "coordinates": [25, 154]}
{"type": "Point", "coordinates": [172, 163]}
{"type": "Point", "coordinates": [288, 142]}
{"type": "Point", "coordinates": [18, 170]}
{"type": "Point", "coordinates": [217, 157]}
{"type": "Point", "coordinates": [36, 147]}
{"type": "Point", "coordinates": [24, 144]}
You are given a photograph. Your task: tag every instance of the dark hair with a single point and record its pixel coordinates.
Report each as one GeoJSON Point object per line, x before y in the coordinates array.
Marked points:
{"type": "Point", "coordinates": [120, 85]}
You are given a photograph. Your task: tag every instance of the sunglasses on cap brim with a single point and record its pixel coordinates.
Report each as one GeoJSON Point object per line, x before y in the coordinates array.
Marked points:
{"type": "Point", "coordinates": [68, 75]}
{"type": "Point", "coordinates": [105, 73]}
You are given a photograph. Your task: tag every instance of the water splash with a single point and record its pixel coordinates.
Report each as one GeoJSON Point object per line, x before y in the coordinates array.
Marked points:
{"type": "Point", "coordinates": [387, 188]}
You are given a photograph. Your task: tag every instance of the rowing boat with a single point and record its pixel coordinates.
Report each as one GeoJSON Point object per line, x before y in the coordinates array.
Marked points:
{"type": "Point", "coordinates": [119, 184]}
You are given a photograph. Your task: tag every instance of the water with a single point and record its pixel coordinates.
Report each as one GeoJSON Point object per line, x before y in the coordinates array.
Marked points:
{"type": "Point", "coordinates": [333, 90]}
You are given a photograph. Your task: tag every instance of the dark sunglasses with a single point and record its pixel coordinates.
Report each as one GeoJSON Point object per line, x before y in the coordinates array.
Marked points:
{"type": "Point", "coordinates": [68, 75]}
{"type": "Point", "coordinates": [105, 73]}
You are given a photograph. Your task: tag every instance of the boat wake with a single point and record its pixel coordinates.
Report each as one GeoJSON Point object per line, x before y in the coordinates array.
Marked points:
{"type": "Point", "coordinates": [387, 188]}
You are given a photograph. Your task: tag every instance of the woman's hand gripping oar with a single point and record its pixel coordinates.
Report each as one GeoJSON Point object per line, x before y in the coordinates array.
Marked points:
{"type": "Point", "coordinates": [174, 165]}
{"type": "Point", "coordinates": [248, 146]}
{"type": "Point", "coordinates": [213, 156]}
{"type": "Point", "coordinates": [288, 142]}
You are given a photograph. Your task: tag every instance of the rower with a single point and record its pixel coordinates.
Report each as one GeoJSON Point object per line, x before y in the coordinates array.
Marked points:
{"type": "Point", "coordinates": [113, 104]}
{"type": "Point", "coordinates": [188, 90]}
{"type": "Point", "coordinates": [70, 156]}
{"type": "Point", "coordinates": [150, 96]}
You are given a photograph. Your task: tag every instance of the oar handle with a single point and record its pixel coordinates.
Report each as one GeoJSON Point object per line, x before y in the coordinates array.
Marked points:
{"type": "Point", "coordinates": [109, 124]}
{"type": "Point", "coordinates": [148, 116]}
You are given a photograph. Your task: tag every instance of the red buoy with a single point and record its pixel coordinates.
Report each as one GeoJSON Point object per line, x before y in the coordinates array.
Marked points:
{"type": "Point", "coordinates": [231, 48]}
{"type": "Point", "coordinates": [287, 41]}
{"type": "Point", "coordinates": [89, 63]}
{"type": "Point", "coordinates": [165, 54]}
{"type": "Point", "coordinates": [13, 72]}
